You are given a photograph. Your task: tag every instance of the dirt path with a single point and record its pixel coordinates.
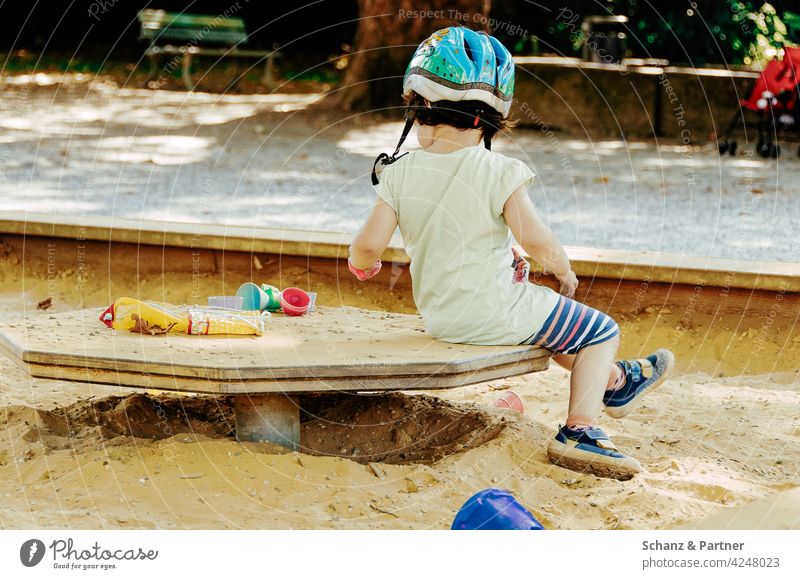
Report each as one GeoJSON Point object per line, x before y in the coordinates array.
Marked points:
{"type": "Point", "coordinates": [259, 160]}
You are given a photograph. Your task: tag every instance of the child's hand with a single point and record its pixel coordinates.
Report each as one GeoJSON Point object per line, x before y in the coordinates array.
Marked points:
{"type": "Point", "coordinates": [364, 274]}
{"type": "Point", "coordinates": [568, 284]}
{"type": "Point", "coordinates": [522, 268]}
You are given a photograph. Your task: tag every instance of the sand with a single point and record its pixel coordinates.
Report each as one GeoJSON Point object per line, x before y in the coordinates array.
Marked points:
{"type": "Point", "coordinates": [708, 446]}
{"type": "Point", "coordinates": [713, 444]}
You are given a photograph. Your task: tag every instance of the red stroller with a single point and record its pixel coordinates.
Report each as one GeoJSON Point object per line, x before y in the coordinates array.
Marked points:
{"type": "Point", "coordinates": [774, 99]}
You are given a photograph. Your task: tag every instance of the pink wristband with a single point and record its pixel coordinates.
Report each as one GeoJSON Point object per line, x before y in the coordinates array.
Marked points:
{"type": "Point", "coordinates": [364, 274]}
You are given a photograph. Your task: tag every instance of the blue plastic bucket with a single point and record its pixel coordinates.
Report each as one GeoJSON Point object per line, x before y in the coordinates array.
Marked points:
{"type": "Point", "coordinates": [494, 510]}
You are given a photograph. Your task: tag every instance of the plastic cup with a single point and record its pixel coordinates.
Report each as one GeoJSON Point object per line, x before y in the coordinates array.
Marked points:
{"type": "Point", "coordinates": [295, 302]}
{"type": "Point", "coordinates": [253, 297]}
{"type": "Point", "coordinates": [510, 400]}
{"type": "Point", "coordinates": [227, 302]}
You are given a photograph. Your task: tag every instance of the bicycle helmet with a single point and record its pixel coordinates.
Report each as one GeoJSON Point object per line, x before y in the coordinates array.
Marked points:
{"type": "Point", "coordinates": [457, 64]}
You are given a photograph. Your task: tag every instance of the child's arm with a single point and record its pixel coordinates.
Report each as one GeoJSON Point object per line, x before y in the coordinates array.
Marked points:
{"type": "Point", "coordinates": [371, 241]}
{"type": "Point", "coordinates": [537, 239]}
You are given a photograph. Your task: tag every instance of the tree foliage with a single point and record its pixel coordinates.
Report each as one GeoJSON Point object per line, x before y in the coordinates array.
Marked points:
{"type": "Point", "coordinates": [686, 32]}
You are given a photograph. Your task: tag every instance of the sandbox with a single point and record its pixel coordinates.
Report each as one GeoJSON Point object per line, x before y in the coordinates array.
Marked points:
{"type": "Point", "coordinates": [719, 441]}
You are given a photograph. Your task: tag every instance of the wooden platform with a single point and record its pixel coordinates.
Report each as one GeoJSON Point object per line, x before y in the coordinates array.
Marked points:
{"type": "Point", "coordinates": [333, 349]}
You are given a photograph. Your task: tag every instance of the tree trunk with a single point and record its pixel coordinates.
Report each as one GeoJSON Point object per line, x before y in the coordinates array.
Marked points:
{"type": "Point", "coordinates": [388, 33]}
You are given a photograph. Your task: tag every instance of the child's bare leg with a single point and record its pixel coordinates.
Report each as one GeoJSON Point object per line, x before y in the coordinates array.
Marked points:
{"type": "Point", "coordinates": [589, 379]}
{"type": "Point", "coordinates": [615, 377]}
{"type": "Point", "coordinates": [564, 360]}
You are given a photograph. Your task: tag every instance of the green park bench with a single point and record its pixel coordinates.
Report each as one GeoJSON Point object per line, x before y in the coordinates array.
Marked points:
{"type": "Point", "coordinates": [189, 35]}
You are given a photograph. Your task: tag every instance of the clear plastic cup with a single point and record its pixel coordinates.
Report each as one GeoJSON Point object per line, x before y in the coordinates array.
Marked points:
{"type": "Point", "coordinates": [227, 302]}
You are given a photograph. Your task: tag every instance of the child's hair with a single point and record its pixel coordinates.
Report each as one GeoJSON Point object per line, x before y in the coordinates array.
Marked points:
{"type": "Point", "coordinates": [458, 114]}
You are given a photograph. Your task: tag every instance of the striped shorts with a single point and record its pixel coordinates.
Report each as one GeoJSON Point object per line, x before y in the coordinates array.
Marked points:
{"type": "Point", "coordinates": [572, 326]}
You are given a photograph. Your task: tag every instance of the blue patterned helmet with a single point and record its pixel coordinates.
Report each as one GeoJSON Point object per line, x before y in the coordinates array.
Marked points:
{"type": "Point", "coordinates": [457, 64]}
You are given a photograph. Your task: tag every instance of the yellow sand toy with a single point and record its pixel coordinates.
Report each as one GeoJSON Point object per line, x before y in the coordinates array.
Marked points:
{"type": "Point", "coordinates": [155, 318]}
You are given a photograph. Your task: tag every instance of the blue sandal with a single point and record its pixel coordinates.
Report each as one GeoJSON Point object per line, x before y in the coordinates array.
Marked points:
{"type": "Point", "coordinates": [641, 376]}
{"type": "Point", "coordinates": [590, 450]}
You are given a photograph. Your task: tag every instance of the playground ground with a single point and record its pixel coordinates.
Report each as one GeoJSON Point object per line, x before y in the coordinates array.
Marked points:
{"type": "Point", "coordinates": [718, 439]}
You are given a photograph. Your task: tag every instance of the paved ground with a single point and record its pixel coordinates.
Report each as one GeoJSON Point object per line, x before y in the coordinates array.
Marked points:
{"type": "Point", "coordinates": [243, 159]}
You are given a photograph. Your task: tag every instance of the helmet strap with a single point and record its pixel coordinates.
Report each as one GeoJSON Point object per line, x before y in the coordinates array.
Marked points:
{"type": "Point", "coordinates": [385, 159]}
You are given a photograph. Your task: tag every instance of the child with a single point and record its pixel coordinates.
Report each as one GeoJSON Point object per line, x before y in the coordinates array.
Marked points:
{"type": "Point", "coordinates": [457, 205]}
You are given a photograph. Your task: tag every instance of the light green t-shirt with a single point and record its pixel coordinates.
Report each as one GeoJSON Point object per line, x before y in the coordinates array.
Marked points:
{"type": "Point", "coordinates": [450, 210]}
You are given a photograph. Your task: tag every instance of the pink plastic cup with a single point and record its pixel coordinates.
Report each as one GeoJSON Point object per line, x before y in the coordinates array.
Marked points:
{"type": "Point", "coordinates": [510, 400]}
{"type": "Point", "coordinates": [295, 302]}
